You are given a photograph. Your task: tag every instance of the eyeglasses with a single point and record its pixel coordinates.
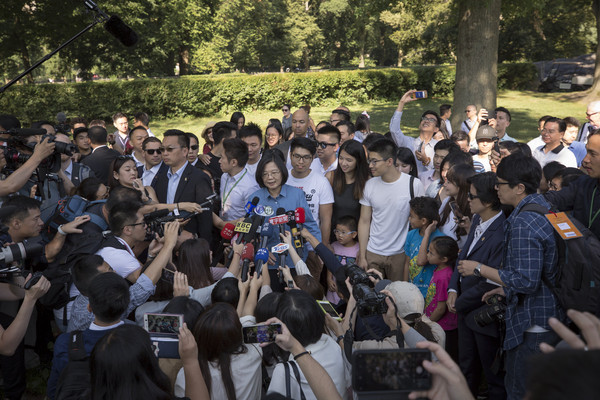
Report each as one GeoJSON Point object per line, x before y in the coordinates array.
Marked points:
{"type": "Point", "coordinates": [306, 158]}
{"type": "Point", "coordinates": [324, 145]}
{"type": "Point", "coordinates": [471, 196]}
{"type": "Point", "coordinates": [138, 223]}
{"type": "Point", "coordinates": [152, 151]}
{"type": "Point", "coordinates": [432, 120]}
{"type": "Point", "coordinates": [195, 147]}
{"type": "Point", "coordinates": [335, 231]}
{"type": "Point", "coordinates": [170, 149]}
{"type": "Point", "coordinates": [501, 183]}
{"type": "Point", "coordinates": [274, 174]}
{"type": "Point", "coordinates": [374, 161]}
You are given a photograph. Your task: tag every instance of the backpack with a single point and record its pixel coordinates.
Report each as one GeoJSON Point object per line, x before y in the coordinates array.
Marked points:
{"type": "Point", "coordinates": [74, 381]}
{"type": "Point", "coordinates": [68, 209]}
{"type": "Point", "coordinates": [578, 281]}
{"type": "Point", "coordinates": [59, 271]}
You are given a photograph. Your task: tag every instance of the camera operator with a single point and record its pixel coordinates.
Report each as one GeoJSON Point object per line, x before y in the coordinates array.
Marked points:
{"type": "Point", "coordinates": [71, 173]}
{"type": "Point", "coordinates": [12, 332]}
{"type": "Point", "coordinates": [530, 251]}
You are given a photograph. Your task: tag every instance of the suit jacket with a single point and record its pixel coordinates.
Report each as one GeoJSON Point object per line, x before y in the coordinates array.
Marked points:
{"type": "Point", "coordinates": [194, 186]}
{"type": "Point", "coordinates": [99, 161]}
{"type": "Point", "coordinates": [488, 250]}
{"type": "Point", "coordinates": [284, 148]}
{"type": "Point", "coordinates": [163, 168]}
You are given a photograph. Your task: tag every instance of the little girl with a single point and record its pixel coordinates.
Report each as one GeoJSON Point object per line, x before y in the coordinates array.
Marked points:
{"type": "Point", "coordinates": [443, 252]}
{"type": "Point", "coordinates": [345, 249]}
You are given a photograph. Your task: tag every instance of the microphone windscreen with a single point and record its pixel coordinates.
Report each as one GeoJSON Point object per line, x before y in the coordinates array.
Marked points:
{"type": "Point", "coordinates": [227, 232]}
{"type": "Point", "coordinates": [300, 215]}
{"type": "Point", "coordinates": [248, 253]}
{"type": "Point", "coordinates": [116, 27]}
{"type": "Point", "coordinates": [262, 255]}
{"type": "Point", "coordinates": [280, 211]}
{"type": "Point", "coordinates": [61, 117]}
{"type": "Point", "coordinates": [255, 201]}
{"type": "Point", "coordinates": [267, 229]}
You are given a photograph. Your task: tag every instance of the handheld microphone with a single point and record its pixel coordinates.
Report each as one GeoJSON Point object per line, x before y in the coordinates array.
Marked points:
{"type": "Point", "coordinates": [265, 233]}
{"type": "Point", "coordinates": [116, 27]}
{"type": "Point", "coordinates": [261, 257]}
{"type": "Point", "coordinates": [227, 231]}
{"type": "Point", "coordinates": [251, 234]}
{"type": "Point", "coordinates": [281, 212]}
{"type": "Point", "coordinates": [247, 256]}
{"type": "Point", "coordinates": [251, 205]}
{"type": "Point", "coordinates": [226, 234]}
{"type": "Point", "coordinates": [295, 217]}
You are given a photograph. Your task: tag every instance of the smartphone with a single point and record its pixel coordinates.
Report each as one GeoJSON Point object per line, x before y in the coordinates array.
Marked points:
{"type": "Point", "coordinates": [496, 146]}
{"type": "Point", "coordinates": [163, 324]}
{"type": "Point", "coordinates": [390, 371]}
{"type": "Point", "coordinates": [260, 333]}
{"type": "Point", "coordinates": [420, 148]}
{"type": "Point", "coordinates": [456, 210]}
{"type": "Point", "coordinates": [328, 308]}
{"type": "Point", "coordinates": [290, 283]}
{"type": "Point", "coordinates": [419, 94]}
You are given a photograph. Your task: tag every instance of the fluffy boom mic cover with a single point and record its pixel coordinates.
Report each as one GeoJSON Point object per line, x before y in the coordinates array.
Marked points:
{"type": "Point", "coordinates": [116, 27]}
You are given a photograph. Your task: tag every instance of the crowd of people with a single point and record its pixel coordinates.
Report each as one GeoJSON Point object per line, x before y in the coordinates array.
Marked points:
{"type": "Point", "coordinates": [432, 242]}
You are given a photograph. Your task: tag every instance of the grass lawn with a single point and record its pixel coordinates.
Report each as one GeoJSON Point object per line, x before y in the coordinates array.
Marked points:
{"type": "Point", "coordinates": [526, 108]}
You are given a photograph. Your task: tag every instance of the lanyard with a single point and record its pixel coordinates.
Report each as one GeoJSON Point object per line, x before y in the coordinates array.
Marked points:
{"type": "Point", "coordinates": [590, 219]}
{"type": "Point", "coordinates": [224, 200]}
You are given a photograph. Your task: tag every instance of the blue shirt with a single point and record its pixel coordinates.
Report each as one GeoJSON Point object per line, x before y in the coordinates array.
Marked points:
{"type": "Point", "coordinates": [530, 250]}
{"type": "Point", "coordinates": [289, 198]}
{"type": "Point", "coordinates": [419, 276]}
{"type": "Point", "coordinates": [174, 178]}
{"type": "Point", "coordinates": [578, 149]}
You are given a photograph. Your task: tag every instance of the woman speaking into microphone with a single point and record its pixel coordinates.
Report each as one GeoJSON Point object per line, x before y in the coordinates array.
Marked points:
{"type": "Point", "coordinates": [274, 194]}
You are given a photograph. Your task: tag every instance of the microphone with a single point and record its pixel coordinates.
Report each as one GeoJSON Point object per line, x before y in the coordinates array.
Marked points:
{"type": "Point", "coordinates": [249, 207]}
{"type": "Point", "coordinates": [227, 231]}
{"type": "Point", "coordinates": [265, 233]}
{"type": "Point", "coordinates": [262, 257]}
{"type": "Point", "coordinates": [24, 132]}
{"type": "Point", "coordinates": [226, 234]}
{"type": "Point", "coordinates": [247, 256]}
{"type": "Point", "coordinates": [116, 27]}
{"type": "Point", "coordinates": [61, 117]}
{"type": "Point", "coordinates": [294, 217]}
{"type": "Point", "coordinates": [281, 212]}
{"type": "Point", "coordinates": [251, 234]}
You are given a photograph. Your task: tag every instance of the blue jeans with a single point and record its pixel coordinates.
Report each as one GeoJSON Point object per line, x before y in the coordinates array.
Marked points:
{"type": "Point", "coordinates": [516, 362]}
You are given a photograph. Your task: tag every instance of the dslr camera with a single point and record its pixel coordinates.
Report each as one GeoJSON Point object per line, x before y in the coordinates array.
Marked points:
{"type": "Point", "coordinates": [494, 312]}
{"type": "Point", "coordinates": [368, 301]}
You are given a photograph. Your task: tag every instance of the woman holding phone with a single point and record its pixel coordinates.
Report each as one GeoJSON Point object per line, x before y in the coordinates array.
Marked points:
{"type": "Point", "coordinates": [456, 206]}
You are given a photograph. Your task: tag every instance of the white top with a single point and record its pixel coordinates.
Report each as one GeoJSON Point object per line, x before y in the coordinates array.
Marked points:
{"type": "Point", "coordinates": [412, 143]}
{"type": "Point", "coordinates": [448, 126]}
{"type": "Point", "coordinates": [483, 160]}
{"type": "Point", "coordinates": [390, 212]}
{"type": "Point", "coordinates": [149, 174]}
{"type": "Point", "coordinates": [246, 373]}
{"type": "Point", "coordinates": [449, 228]}
{"type": "Point", "coordinates": [252, 169]}
{"type": "Point", "coordinates": [327, 353]}
{"type": "Point", "coordinates": [316, 188]}
{"type": "Point", "coordinates": [535, 143]}
{"type": "Point", "coordinates": [319, 167]}
{"type": "Point", "coordinates": [235, 192]}
{"type": "Point", "coordinates": [480, 230]}
{"type": "Point", "coordinates": [123, 262]}
{"type": "Point", "coordinates": [561, 154]}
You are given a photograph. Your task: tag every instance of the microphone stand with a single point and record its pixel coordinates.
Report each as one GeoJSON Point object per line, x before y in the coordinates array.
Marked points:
{"type": "Point", "coordinates": [98, 18]}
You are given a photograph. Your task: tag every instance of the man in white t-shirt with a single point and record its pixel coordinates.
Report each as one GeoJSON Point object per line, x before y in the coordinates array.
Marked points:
{"type": "Point", "coordinates": [384, 213]}
{"type": "Point", "coordinates": [316, 187]}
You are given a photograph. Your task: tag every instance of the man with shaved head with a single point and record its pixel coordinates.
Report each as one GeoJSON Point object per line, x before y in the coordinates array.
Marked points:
{"type": "Point", "coordinates": [593, 116]}
{"type": "Point", "coordinates": [300, 123]}
{"type": "Point", "coordinates": [470, 118]}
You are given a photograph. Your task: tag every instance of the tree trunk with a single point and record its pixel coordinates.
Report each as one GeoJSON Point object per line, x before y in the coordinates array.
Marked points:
{"type": "Point", "coordinates": [477, 56]}
{"type": "Point", "coordinates": [594, 93]}
{"type": "Point", "coordinates": [400, 58]}
{"type": "Point", "coordinates": [363, 39]}
{"type": "Point", "coordinates": [184, 60]}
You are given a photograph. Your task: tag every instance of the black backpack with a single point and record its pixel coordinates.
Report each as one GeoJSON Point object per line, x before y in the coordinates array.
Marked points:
{"type": "Point", "coordinates": [59, 271]}
{"type": "Point", "coordinates": [74, 382]}
{"type": "Point", "coordinates": [578, 281]}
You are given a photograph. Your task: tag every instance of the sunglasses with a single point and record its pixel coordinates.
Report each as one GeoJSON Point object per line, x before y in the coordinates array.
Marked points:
{"type": "Point", "coordinates": [285, 110]}
{"type": "Point", "coordinates": [152, 151]}
{"type": "Point", "coordinates": [194, 147]}
{"type": "Point", "coordinates": [324, 145]}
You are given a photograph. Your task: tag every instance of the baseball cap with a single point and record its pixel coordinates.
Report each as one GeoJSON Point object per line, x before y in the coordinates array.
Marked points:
{"type": "Point", "coordinates": [485, 132]}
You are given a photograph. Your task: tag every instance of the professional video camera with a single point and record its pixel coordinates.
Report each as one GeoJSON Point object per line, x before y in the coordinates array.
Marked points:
{"type": "Point", "coordinates": [16, 252]}
{"type": "Point", "coordinates": [494, 312]}
{"type": "Point", "coordinates": [368, 301]}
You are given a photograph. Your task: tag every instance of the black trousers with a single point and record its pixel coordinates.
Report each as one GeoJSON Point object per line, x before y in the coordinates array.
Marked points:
{"type": "Point", "coordinates": [13, 367]}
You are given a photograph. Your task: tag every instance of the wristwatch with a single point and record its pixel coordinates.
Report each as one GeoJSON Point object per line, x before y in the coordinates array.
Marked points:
{"type": "Point", "coordinates": [477, 270]}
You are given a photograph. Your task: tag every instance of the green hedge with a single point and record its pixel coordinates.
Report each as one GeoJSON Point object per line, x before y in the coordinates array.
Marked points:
{"type": "Point", "coordinates": [199, 96]}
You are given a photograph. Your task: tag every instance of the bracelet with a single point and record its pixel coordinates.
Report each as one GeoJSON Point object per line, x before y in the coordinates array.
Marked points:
{"type": "Point", "coordinates": [151, 257]}
{"type": "Point", "coordinates": [297, 356]}
{"type": "Point", "coordinates": [339, 338]}
{"type": "Point", "coordinates": [238, 254]}
{"type": "Point", "coordinates": [60, 230]}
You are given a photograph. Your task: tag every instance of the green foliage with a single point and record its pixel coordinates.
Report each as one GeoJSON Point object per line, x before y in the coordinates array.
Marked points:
{"type": "Point", "coordinates": [203, 96]}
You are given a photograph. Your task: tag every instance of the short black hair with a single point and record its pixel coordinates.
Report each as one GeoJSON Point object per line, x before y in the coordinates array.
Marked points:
{"type": "Point", "coordinates": [222, 130]}
{"type": "Point", "coordinates": [349, 124]}
{"type": "Point", "coordinates": [372, 138]}
{"type": "Point", "coordinates": [299, 311]}
{"type": "Point", "coordinates": [562, 125]}
{"type": "Point", "coordinates": [142, 117]}
{"type": "Point", "coordinates": [485, 187]}
{"type": "Point", "coordinates": [251, 129]}
{"type": "Point", "coordinates": [520, 169]}
{"type": "Point", "coordinates": [444, 108]}
{"type": "Point", "coordinates": [550, 170]}
{"type": "Point", "coordinates": [109, 297]}
{"type": "Point", "coordinates": [572, 121]}
{"type": "Point", "coordinates": [457, 157]}
{"type": "Point", "coordinates": [236, 149]}
{"type": "Point", "coordinates": [459, 136]}
{"type": "Point", "coordinates": [121, 194]}
{"type": "Point", "coordinates": [190, 308]}
{"type": "Point", "coordinates": [349, 221]}
{"type": "Point", "coordinates": [79, 131]}
{"type": "Point", "coordinates": [22, 204]}
{"type": "Point", "coordinates": [191, 136]}
{"type": "Point", "coordinates": [505, 110]}
{"type": "Point", "coordinates": [437, 117]}
{"type": "Point", "coordinates": [85, 270]}
{"type": "Point", "coordinates": [137, 128]}
{"type": "Point", "coordinates": [330, 130]}
{"type": "Point", "coordinates": [425, 207]}
{"type": "Point", "coordinates": [150, 139]}
{"type": "Point", "coordinates": [303, 143]}
{"type": "Point", "coordinates": [385, 148]}
{"type": "Point", "coordinates": [446, 144]}
{"type": "Point", "coordinates": [8, 122]}
{"type": "Point", "coordinates": [236, 116]}
{"type": "Point", "coordinates": [121, 215]}
{"type": "Point", "coordinates": [226, 291]}
{"type": "Point", "coordinates": [118, 115]}
{"type": "Point", "coordinates": [344, 115]}
{"type": "Point", "coordinates": [544, 118]}
{"type": "Point", "coordinates": [447, 247]}
{"type": "Point", "coordinates": [271, 155]}
{"type": "Point", "coordinates": [97, 134]}
{"type": "Point", "coordinates": [182, 138]}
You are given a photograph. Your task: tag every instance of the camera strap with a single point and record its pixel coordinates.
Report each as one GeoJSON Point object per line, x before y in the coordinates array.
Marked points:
{"type": "Point", "coordinates": [288, 390]}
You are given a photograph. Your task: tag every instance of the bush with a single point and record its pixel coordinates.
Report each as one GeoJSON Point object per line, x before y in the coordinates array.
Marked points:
{"type": "Point", "coordinates": [198, 96]}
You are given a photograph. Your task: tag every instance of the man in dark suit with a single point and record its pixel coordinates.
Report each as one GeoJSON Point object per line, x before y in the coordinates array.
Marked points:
{"type": "Point", "coordinates": [153, 165]}
{"type": "Point", "coordinates": [101, 157]}
{"type": "Point", "coordinates": [478, 346]}
{"type": "Point", "coordinates": [183, 182]}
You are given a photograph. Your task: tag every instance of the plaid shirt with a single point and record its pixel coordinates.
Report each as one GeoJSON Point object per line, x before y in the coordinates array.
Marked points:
{"type": "Point", "coordinates": [530, 249]}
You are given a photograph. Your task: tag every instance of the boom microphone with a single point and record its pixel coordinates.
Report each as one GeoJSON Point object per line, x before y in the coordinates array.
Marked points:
{"type": "Point", "coordinates": [116, 27]}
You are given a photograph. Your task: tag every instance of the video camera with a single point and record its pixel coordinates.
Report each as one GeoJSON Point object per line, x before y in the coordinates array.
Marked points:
{"type": "Point", "coordinates": [368, 301]}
